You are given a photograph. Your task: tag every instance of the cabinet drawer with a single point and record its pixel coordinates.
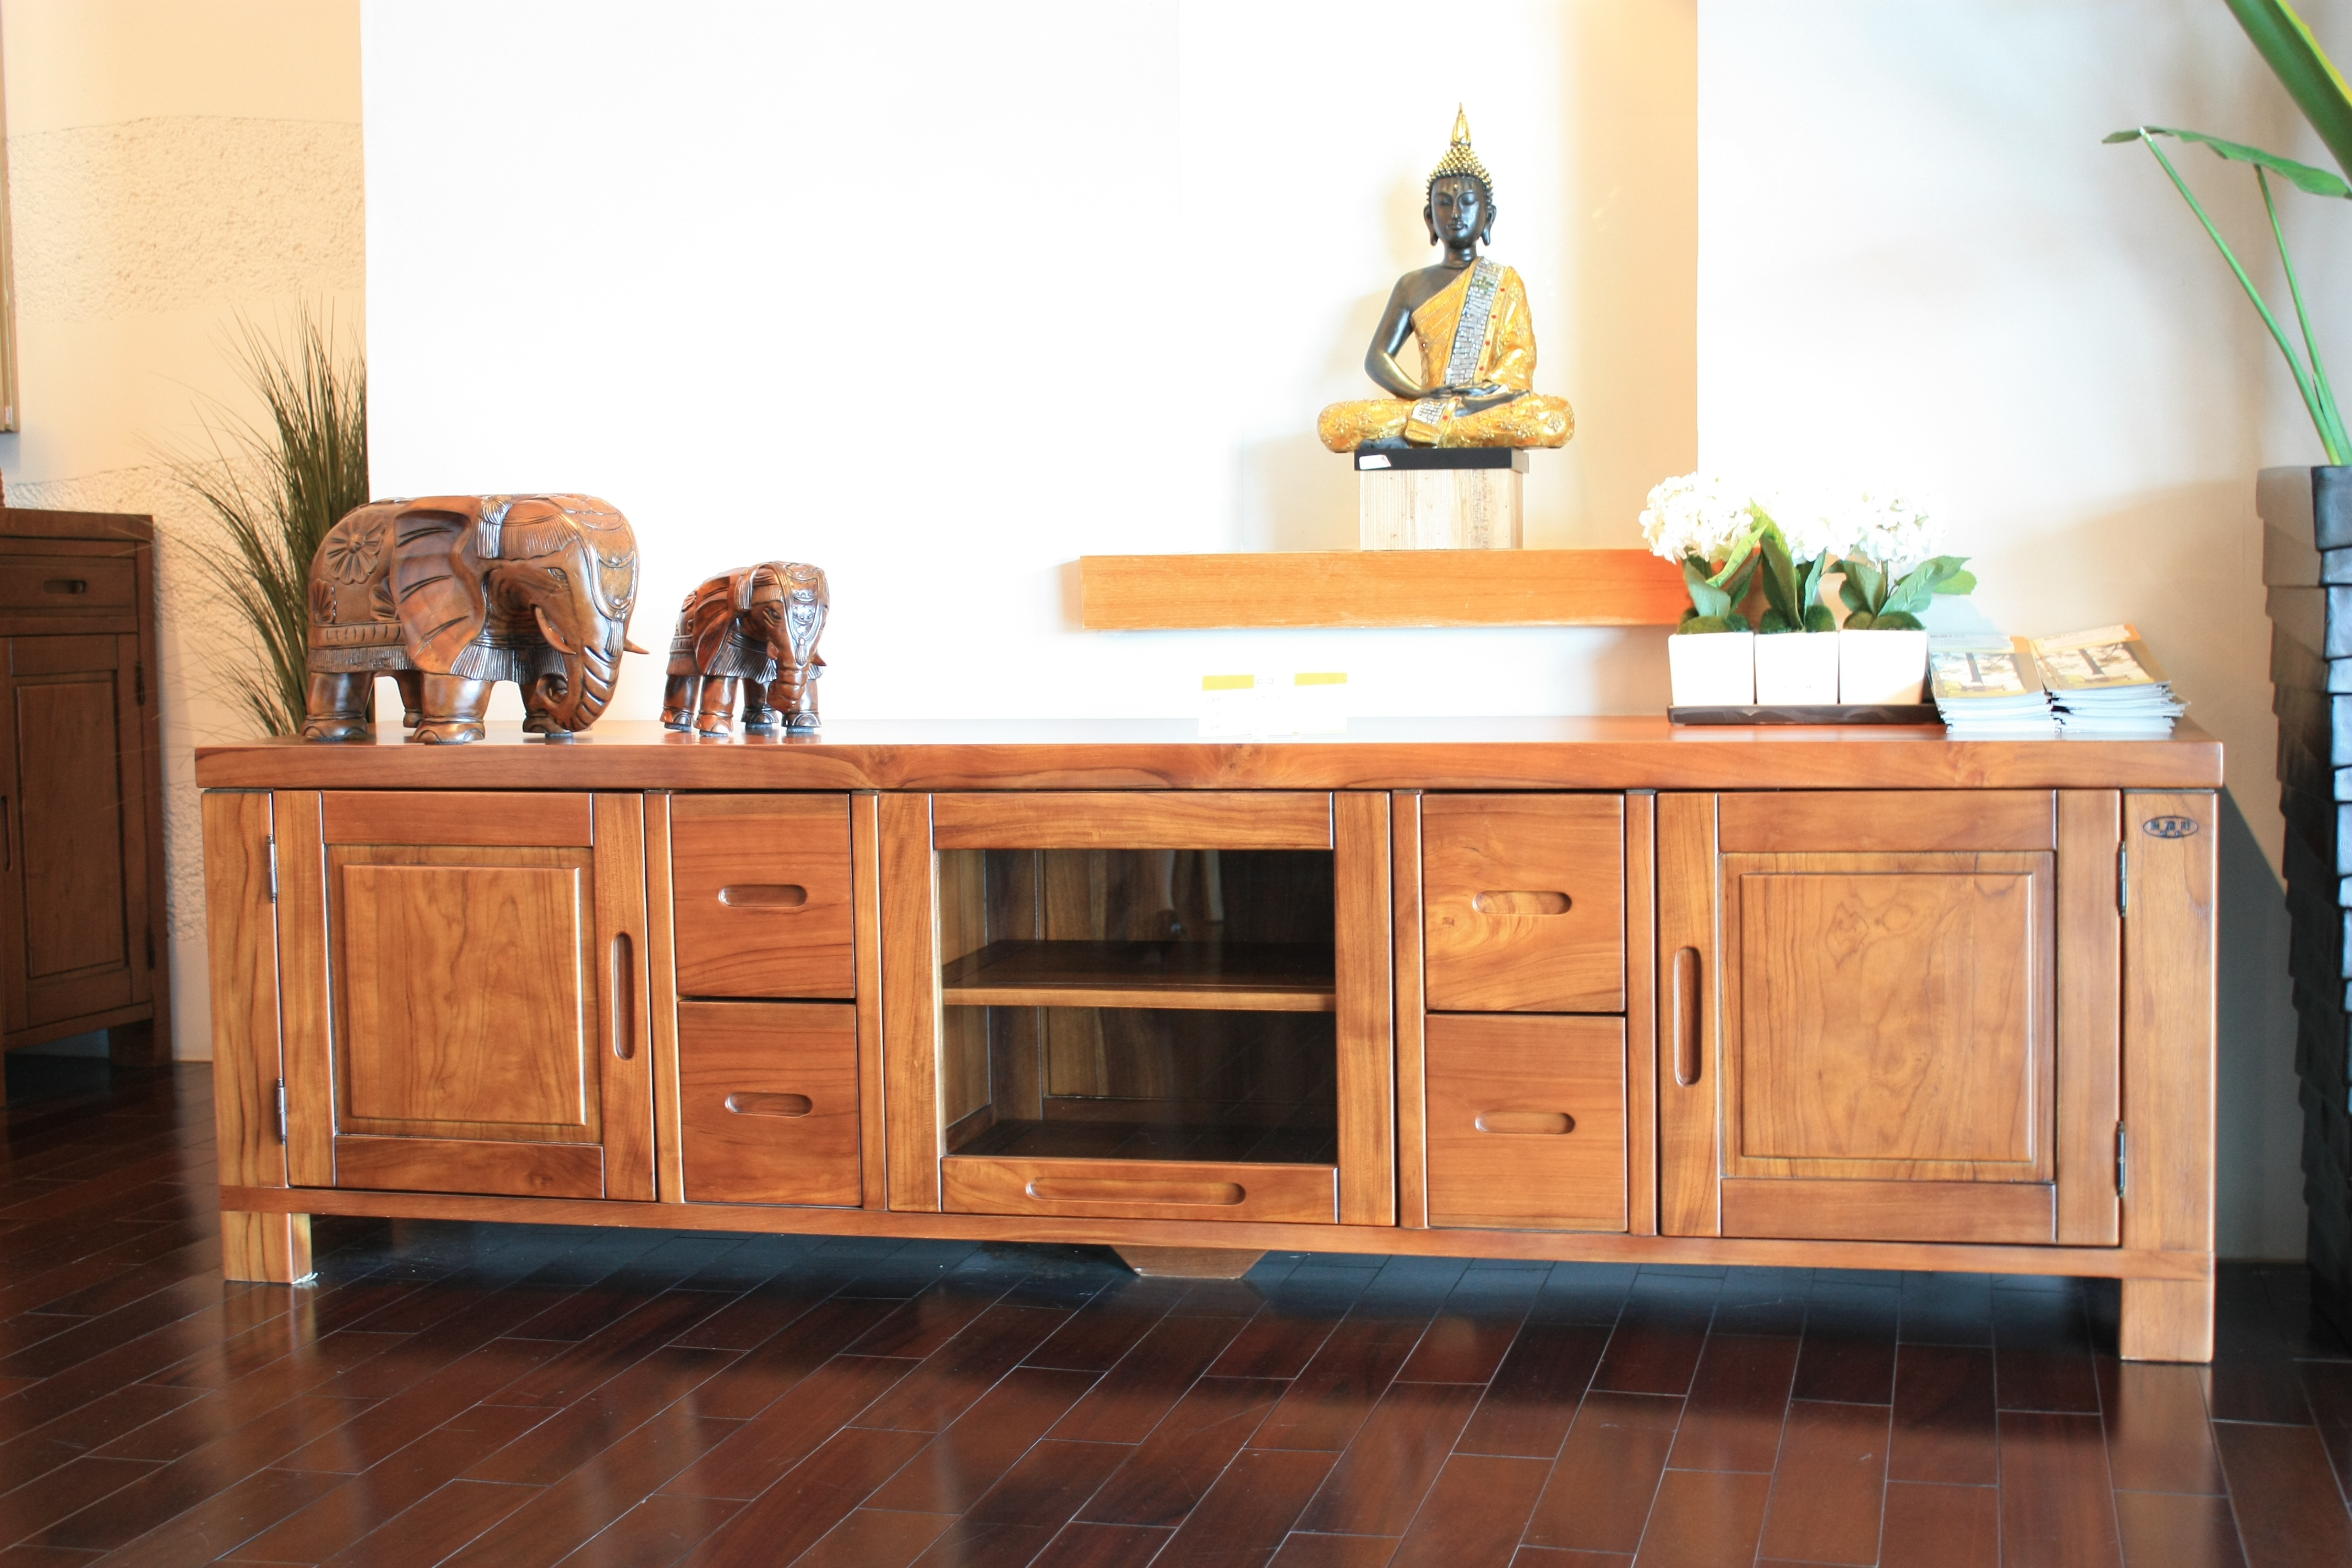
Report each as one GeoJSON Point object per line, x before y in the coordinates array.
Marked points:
{"type": "Point", "coordinates": [1527, 1122]}
{"type": "Point", "coordinates": [1139, 1189]}
{"type": "Point", "coordinates": [1525, 897]}
{"type": "Point", "coordinates": [760, 886]}
{"type": "Point", "coordinates": [67, 583]}
{"type": "Point", "coordinates": [768, 1102]}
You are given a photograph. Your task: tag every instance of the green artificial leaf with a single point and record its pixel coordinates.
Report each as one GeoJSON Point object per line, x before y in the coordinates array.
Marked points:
{"type": "Point", "coordinates": [2304, 69]}
{"type": "Point", "coordinates": [1864, 587]}
{"type": "Point", "coordinates": [1707, 600]}
{"type": "Point", "coordinates": [1782, 589]}
{"type": "Point", "coordinates": [1924, 581]}
{"type": "Point", "coordinates": [1818, 618]}
{"type": "Point", "coordinates": [2311, 180]}
{"type": "Point", "coordinates": [1957, 584]}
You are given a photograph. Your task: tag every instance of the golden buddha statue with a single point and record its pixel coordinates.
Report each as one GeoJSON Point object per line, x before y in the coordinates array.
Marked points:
{"type": "Point", "coordinates": [1469, 316]}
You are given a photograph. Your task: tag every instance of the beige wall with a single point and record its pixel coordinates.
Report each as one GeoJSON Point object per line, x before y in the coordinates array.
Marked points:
{"type": "Point", "coordinates": [171, 164]}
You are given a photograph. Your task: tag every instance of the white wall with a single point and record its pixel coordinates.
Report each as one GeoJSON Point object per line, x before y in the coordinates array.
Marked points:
{"type": "Point", "coordinates": [1917, 259]}
{"type": "Point", "coordinates": [944, 295]}
{"type": "Point", "coordinates": [172, 164]}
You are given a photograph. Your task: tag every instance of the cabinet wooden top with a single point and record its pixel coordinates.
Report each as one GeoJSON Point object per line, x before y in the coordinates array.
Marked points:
{"type": "Point", "coordinates": [1158, 754]}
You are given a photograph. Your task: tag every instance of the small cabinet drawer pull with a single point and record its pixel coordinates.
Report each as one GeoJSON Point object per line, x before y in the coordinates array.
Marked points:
{"type": "Point", "coordinates": [1686, 1017]}
{"type": "Point", "coordinates": [1521, 903]}
{"type": "Point", "coordinates": [764, 896]}
{"type": "Point", "coordinates": [1541, 1123]}
{"type": "Point", "coordinates": [1139, 1190]}
{"type": "Point", "coordinates": [744, 1102]}
{"type": "Point", "coordinates": [65, 586]}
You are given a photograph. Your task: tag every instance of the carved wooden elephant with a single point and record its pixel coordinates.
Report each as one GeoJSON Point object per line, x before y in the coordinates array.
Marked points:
{"type": "Point", "coordinates": [450, 594]}
{"type": "Point", "coordinates": [758, 627]}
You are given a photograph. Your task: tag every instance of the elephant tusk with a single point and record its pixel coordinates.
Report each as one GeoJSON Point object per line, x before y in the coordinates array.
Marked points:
{"type": "Point", "coordinates": [547, 629]}
{"type": "Point", "coordinates": [629, 645]}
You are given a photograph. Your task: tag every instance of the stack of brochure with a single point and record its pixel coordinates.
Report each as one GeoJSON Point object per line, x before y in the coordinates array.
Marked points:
{"type": "Point", "coordinates": [1987, 688]}
{"type": "Point", "coordinates": [2107, 687]}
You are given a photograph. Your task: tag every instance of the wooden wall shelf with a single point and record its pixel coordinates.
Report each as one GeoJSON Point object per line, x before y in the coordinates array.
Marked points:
{"type": "Point", "coordinates": [1381, 588]}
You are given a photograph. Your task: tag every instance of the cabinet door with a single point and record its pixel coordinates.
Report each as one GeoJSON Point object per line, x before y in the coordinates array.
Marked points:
{"type": "Point", "coordinates": [465, 993]}
{"type": "Point", "coordinates": [1874, 1029]}
{"type": "Point", "coordinates": [75, 826]}
{"type": "Point", "coordinates": [1170, 1004]}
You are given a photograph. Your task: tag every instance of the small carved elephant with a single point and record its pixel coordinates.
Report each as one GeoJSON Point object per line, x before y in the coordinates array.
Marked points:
{"type": "Point", "coordinates": [758, 627]}
{"type": "Point", "coordinates": [450, 594]}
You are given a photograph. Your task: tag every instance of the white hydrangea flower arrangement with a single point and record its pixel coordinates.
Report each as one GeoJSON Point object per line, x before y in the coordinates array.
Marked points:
{"type": "Point", "coordinates": [1884, 542]}
{"type": "Point", "coordinates": [1710, 527]}
{"type": "Point", "coordinates": [1888, 548]}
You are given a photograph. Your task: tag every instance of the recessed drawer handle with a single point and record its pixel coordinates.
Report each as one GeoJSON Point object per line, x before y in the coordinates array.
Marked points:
{"type": "Point", "coordinates": [764, 896]}
{"type": "Point", "coordinates": [1142, 1190]}
{"type": "Point", "coordinates": [1552, 1122]}
{"type": "Point", "coordinates": [1519, 904]}
{"type": "Point", "coordinates": [65, 586]}
{"type": "Point", "coordinates": [743, 1102]}
{"type": "Point", "coordinates": [1686, 1004]}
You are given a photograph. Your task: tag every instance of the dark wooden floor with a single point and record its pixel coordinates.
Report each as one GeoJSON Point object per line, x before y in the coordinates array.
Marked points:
{"type": "Point", "coordinates": [510, 1395]}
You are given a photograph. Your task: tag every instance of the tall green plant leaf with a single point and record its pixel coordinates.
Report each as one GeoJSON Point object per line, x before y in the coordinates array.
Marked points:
{"type": "Point", "coordinates": [2317, 182]}
{"type": "Point", "coordinates": [275, 488]}
{"type": "Point", "coordinates": [2304, 69]}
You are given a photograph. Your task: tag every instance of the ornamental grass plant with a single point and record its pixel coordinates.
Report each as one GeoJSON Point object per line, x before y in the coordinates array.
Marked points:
{"type": "Point", "coordinates": [274, 488]}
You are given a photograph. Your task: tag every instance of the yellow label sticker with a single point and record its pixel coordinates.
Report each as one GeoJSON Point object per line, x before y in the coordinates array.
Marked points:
{"type": "Point", "coordinates": [1228, 682]}
{"type": "Point", "coordinates": [1320, 678]}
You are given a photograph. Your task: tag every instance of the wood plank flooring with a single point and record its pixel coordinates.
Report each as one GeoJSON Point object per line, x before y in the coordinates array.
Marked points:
{"type": "Point", "coordinates": [535, 1395]}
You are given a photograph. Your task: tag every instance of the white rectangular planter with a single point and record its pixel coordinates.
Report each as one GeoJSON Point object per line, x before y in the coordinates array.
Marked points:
{"type": "Point", "coordinates": [1882, 667]}
{"type": "Point", "coordinates": [1797, 669]}
{"type": "Point", "coordinates": [1712, 669]}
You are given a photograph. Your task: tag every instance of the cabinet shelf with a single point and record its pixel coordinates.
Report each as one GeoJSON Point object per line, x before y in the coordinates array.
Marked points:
{"type": "Point", "coordinates": [1381, 588]}
{"type": "Point", "coordinates": [1255, 978]}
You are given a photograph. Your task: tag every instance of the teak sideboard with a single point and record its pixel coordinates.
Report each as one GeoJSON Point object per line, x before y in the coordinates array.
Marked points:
{"type": "Point", "coordinates": [1593, 989]}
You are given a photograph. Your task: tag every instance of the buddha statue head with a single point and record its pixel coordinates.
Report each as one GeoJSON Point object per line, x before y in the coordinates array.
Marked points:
{"type": "Point", "coordinates": [1460, 208]}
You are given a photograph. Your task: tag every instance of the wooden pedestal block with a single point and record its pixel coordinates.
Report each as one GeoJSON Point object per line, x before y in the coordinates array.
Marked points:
{"type": "Point", "coordinates": [1442, 509]}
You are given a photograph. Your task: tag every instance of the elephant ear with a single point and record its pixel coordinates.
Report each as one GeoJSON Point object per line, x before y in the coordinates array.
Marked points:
{"type": "Point", "coordinates": [436, 579]}
{"type": "Point", "coordinates": [712, 615]}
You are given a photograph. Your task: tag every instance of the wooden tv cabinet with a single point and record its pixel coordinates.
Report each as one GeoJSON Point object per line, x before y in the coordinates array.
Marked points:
{"type": "Point", "coordinates": [1567, 988]}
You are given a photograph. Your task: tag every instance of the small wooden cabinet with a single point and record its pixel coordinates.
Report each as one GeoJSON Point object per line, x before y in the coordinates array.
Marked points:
{"type": "Point", "coordinates": [1627, 994]}
{"type": "Point", "coordinates": [81, 931]}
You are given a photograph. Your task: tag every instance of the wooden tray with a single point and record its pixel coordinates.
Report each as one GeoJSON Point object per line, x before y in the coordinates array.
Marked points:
{"type": "Point", "coordinates": [1828, 713]}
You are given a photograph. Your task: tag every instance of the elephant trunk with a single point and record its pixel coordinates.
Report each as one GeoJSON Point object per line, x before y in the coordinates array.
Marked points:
{"type": "Point", "coordinates": [586, 686]}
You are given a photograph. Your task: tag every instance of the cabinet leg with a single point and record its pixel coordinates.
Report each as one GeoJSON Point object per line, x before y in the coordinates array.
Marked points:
{"type": "Point", "coordinates": [132, 1045]}
{"type": "Point", "coordinates": [1190, 1262]}
{"type": "Point", "coordinates": [2167, 1320]}
{"type": "Point", "coordinates": [265, 1248]}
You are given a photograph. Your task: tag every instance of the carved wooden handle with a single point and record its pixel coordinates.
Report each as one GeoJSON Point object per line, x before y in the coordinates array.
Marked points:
{"type": "Point", "coordinates": [744, 1102]}
{"type": "Point", "coordinates": [1541, 1123]}
{"type": "Point", "coordinates": [1135, 1189]}
{"type": "Point", "coordinates": [624, 997]}
{"type": "Point", "coordinates": [65, 586]}
{"type": "Point", "coordinates": [8, 840]}
{"type": "Point", "coordinates": [1521, 903]}
{"type": "Point", "coordinates": [1686, 1016]}
{"type": "Point", "coordinates": [764, 896]}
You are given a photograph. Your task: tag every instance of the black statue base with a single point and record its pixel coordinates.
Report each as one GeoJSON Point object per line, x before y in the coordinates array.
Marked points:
{"type": "Point", "coordinates": [1374, 459]}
